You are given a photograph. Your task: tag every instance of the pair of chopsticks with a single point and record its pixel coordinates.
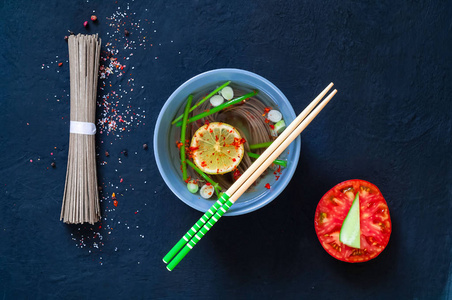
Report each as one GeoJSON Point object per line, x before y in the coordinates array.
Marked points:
{"type": "Point", "coordinates": [228, 198]}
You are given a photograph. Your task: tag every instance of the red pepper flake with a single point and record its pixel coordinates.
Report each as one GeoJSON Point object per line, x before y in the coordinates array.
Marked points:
{"type": "Point", "coordinates": [266, 120]}
{"type": "Point", "coordinates": [234, 160]}
{"type": "Point", "coordinates": [60, 64]}
{"type": "Point", "coordinates": [266, 110]}
{"type": "Point", "coordinates": [279, 169]}
{"type": "Point", "coordinates": [237, 142]}
{"type": "Point", "coordinates": [193, 148]}
{"type": "Point", "coordinates": [121, 180]}
{"type": "Point", "coordinates": [272, 126]}
{"type": "Point", "coordinates": [93, 18]}
{"type": "Point", "coordinates": [203, 164]}
{"type": "Point", "coordinates": [85, 24]}
{"type": "Point", "coordinates": [236, 175]}
{"type": "Point", "coordinates": [208, 183]}
{"type": "Point", "coordinates": [115, 203]}
{"type": "Point", "coordinates": [206, 122]}
{"type": "Point", "coordinates": [267, 185]}
{"type": "Point", "coordinates": [179, 144]}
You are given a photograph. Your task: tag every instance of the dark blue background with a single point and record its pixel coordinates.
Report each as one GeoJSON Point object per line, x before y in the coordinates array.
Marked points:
{"type": "Point", "coordinates": [389, 124]}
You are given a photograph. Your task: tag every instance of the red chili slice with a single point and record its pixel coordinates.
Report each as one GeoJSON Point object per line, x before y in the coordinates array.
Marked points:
{"type": "Point", "coordinates": [375, 222]}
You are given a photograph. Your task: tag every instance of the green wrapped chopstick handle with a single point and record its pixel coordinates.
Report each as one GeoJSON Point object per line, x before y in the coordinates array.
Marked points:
{"type": "Point", "coordinates": [197, 237]}
{"type": "Point", "coordinates": [184, 240]}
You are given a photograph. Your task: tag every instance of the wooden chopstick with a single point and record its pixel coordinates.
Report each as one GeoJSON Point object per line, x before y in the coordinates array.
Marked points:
{"type": "Point", "coordinates": [200, 223]}
{"type": "Point", "coordinates": [227, 199]}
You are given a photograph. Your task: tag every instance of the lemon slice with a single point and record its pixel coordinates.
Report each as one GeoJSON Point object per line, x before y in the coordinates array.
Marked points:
{"type": "Point", "coordinates": [217, 148]}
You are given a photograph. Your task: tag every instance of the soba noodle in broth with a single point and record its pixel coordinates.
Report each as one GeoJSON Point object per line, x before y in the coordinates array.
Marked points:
{"type": "Point", "coordinates": [247, 117]}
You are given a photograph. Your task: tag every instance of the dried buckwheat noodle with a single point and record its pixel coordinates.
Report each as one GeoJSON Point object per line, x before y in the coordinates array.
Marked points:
{"type": "Point", "coordinates": [81, 199]}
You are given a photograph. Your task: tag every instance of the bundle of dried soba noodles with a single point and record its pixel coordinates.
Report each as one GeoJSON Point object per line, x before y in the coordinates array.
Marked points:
{"type": "Point", "coordinates": [81, 198]}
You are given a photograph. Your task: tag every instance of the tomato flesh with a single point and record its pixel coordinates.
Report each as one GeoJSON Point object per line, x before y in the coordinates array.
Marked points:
{"type": "Point", "coordinates": [375, 221]}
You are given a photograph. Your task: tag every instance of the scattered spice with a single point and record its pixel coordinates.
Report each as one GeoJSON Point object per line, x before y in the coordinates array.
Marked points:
{"type": "Point", "coordinates": [107, 154]}
{"type": "Point", "coordinates": [145, 146]}
{"type": "Point", "coordinates": [60, 64]}
{"type": "Point", "coordinates": [85, 24]}
{"type": "Point", "coordinates": [53, 164]}
{"type": "Point", "coordinates": [115, 202]}
{"type": "Point", "coordinates": [267, 185]}
{"type": "Point", "coordinates": [99, 188]}
{"type": "Point", "coordinates": [126, 32]}
{"type": "Point", "coordinates": [93, 18]}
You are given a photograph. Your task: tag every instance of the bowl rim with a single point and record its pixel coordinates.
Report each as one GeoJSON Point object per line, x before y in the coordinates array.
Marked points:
{"type": "Point", "coordinates": [255, 205]}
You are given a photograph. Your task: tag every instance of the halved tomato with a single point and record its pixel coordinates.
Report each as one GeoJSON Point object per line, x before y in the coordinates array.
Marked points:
{"type": "Point", "coordinates": [375, 221]}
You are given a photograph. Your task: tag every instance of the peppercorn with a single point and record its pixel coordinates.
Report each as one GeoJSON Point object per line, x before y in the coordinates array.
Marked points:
{"type": "Point", "coordinates": [145, 146]}
{"type": "Point", "coordinates": [93, 18]}
{"type": "Point", "coordinates": [126, 32]}
{"type": "Point", "coordinates": [99, 188]}
{"type": "Point", "coordinates": [53, 164]}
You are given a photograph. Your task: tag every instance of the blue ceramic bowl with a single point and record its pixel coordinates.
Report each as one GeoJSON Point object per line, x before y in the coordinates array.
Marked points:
{"type": "Point", "coordinates": [166, 152]}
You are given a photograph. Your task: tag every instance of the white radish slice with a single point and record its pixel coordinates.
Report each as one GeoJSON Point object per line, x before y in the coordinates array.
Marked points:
{"type": "Point", "coordinates": [216, 100]}
{"type": "Point", "coordinates": [207, 191]}
{"type": "Point", "coordinates": [227, 92]}
{"type": "Point", "coordinates": [274, 116]}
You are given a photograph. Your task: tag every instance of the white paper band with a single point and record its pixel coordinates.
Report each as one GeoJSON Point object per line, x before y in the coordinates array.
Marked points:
{"type": "Point", "coordinates": [82, 128]}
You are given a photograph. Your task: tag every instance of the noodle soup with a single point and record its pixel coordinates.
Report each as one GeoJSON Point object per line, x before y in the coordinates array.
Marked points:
{"type": "Point", "coordinates": [252, 120]}
{"type": "Point", "coordinates": [166, 137]}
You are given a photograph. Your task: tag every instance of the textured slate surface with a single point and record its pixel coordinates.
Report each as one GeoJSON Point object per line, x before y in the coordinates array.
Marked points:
{"type": "Point", "coordinates": [390, 124]}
